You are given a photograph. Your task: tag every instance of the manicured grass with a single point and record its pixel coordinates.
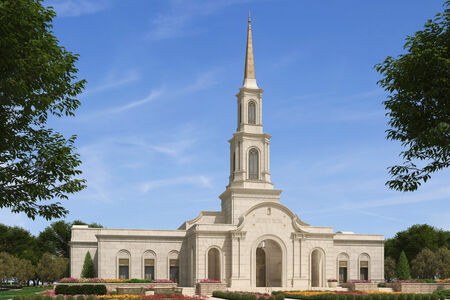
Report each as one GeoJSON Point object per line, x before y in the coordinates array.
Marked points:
{"type": "Point", "coordinates": [5, 295]}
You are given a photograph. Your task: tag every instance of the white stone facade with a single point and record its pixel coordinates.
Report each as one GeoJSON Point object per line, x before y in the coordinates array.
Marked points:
{"type": "Point", "coordinates": [254, 241]}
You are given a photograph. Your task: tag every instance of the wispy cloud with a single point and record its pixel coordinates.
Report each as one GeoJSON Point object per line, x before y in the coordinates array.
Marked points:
{"type": "Point", "coordinates": [177, 21]}
{"type": "Point", "coordinates": [199, 180]}
{"type": "Point", "coordinates": [112, 81]}
{"type": "Point", "coordinates": [75, 8]}
{"type": "Point", "coordinates": [153, 95]}
{"type": "Point", "coordinates": [203, 81]}
{"type": "Point", "coordinates": [435, 195]}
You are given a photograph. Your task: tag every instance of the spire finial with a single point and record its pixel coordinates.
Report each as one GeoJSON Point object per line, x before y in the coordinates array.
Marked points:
{"type": "Point", "coordinates": [249, 75]}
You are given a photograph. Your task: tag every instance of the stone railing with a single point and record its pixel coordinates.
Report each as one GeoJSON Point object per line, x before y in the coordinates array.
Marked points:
{"type": "Point", "coordinates": [206, 288]}
{"type": "Point", "coordinates": [417, 288]}
{"type": "Point", "coordinates": [360, 286]}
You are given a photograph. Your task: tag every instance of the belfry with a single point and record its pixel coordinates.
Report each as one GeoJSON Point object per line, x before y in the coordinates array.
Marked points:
{"type": "Point", "coordinates": [253, 242]}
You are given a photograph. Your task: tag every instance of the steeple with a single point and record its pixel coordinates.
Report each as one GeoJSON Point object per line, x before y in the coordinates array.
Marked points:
{"type": "Point", "coordinates": [249, 75]}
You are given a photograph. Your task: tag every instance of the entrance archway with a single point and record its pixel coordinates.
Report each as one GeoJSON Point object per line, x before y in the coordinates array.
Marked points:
{"type": "Point", "coordinates": [214, 264]}
{"type": "Point", "coordinates": [317, 268]}
{"type": "Point", "coordinates": [269, 264]}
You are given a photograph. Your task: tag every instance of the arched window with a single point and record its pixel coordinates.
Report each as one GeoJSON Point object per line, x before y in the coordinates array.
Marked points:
{"type": "Point", "coordinates": [174, 266]}
{"type": "Point", "coordinates": [343, 267]}
{"type": "Point", "coordinates": [251, 112]}
{"type": "Point", "coordinates": [214, 264]}
{"type": "Point", "coordinates": [253, 164]}
{"type": "Point", "coordinates": [149, 263]}
{"type": "Point", "coordinates": [364, 266]}
{"type": "Point", "coordinates": [123, 264]}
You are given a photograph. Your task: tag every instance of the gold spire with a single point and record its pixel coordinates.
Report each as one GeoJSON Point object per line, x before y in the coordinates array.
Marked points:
{"type": "Point", "coordinates": [249, 62]}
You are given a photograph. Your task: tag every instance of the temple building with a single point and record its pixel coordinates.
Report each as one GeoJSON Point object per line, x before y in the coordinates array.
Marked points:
{"type": "Point", "coordinates": [253, 241]}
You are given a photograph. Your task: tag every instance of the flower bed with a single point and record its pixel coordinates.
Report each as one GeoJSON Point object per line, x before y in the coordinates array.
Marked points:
{"type": "Point", "coordinates": [101, 280]}
{"type": "Point", "coordinates": [246, 296]}
{"type": "Point", "coordinates": [108, 297]}
{"type": "Point", "coordinates": [366, 295]}
{"type": "Point", "coordinates": [313, 294]}
{"type": "Point", "coordinates": [210, 281]}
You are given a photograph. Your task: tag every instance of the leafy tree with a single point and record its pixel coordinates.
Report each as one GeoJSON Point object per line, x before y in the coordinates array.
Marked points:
{"type": "Point", "coordinates": [37, 81]}
{"type": "Point", "coordinates": [25, 271]}
{"type": "Point", "coordinates": [403, 267]}
{"type": "Point", "coordinates": [416, 238]}
{"type": "Point", "coordinates": [51, 268]}
{"type": "Point", "coordinates": [15, 240]}
{"type": "Point", "coordinates": [88, 270]}
{"type": "Point", "coordinates": [443, 258]}
{"type": "Point", "coordinates": [56, 237]}
{"type": "Point", "coordinates": [425, 265]}
{"type": "Point", "coordinates": [418, 104]}
{"type": "Point", "coordinates": [389, 268]}
{"type": "Point", "coordinates": [6, 266]}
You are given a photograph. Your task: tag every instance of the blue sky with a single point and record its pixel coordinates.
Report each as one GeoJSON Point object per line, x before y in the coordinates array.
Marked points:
{"type": "Point", "coordinates": [159, 108]}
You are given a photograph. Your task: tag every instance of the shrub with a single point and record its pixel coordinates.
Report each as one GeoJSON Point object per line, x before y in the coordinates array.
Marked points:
{"type": "Point", "coordinates": [48, 298]}
{"type": "Point", "coordinates": [80, 297]}
{"type": "Point", "coordinates": [91, 297]}
{"type": "Point", "coordinates": [402, 297]}
{"type": "Point", "coordinates": [88, 267]}
{"type": "Point", "coordinates": [411, 297]}
{"type": "Point", "coordinates": [135, 280]}
{"type": "Point", "coordinates": [351, 297]}
{"type": "Point", "coordinates": [17, 298]}
{"type": "Point", "coordinates": [262, 298]}
{"type": "Point", "coordinates": [70, 297]}
{"type": "Point", "coordinates": [277, 297]}
{"type": "Point", "coordinates": [38, 297]}
{"type": "Point", "coordinates": [59, 298]}
{"type": "Point", "coordinates": [403, 272]}
{"type": "Point", "coordinates": [418, 297]}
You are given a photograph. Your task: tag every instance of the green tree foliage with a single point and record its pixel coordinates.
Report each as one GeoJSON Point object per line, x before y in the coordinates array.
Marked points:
{"type": "Point", "coordinates": [6, 266]}
{"type": "Point", "coordinates": [51, 268]}
{"type": "Point", "coordinates": [38, 166]}
{"type": "Point", "coordinates": [56, 237]}
{"type": "Point", "coordinates": [15, 240]}
{"type": "Point", "coordinates": [88, 270]}
{"type": "Point", "coordinates": [416, 238]}
{"type": "Point", "coordinates": [25, 271]}
{"type": "Point", "coordinates": [389, 268]}
{"type": "Point", "coordinates": [443, 258]}
{"type": "Point", "coordinates": [425, 265]}
{"type": "Point", "coordinates": [402, 271]}
{"type": "Point", "coordinates": [418, 103]}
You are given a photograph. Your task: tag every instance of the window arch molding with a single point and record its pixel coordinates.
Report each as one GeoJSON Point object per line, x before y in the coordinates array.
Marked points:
{"type": "Point", "coordinates": [220, 254]}
{"type": "Point", "coordinates": [149, 254]}
{"type": "Point", "coordinates": [173, 255]}
{"type": "Point", "coordinates": [121, 255]}
{"type": "Point", "coordinates": [254, 164]}
{"type": "Point", "coordinates": [342, 257]}
{"type": "Point", "coordinates": [252, 115]}
{"type": "Point", "coordinates": [363, 261]}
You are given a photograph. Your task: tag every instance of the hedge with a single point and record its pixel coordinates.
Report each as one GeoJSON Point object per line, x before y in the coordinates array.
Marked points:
{"type": "Point", "coordinates": [87, 289]}
{"type": "Point", "coordinates": [245, 296]}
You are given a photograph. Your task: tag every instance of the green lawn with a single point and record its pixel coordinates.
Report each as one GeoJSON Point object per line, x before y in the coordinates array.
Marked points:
{"type": "Point", "coordinates": [5, 295]}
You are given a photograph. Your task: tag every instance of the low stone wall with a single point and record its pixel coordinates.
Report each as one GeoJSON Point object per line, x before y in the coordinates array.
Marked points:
{"type": "Point", "coordinates": [207, 288]}
{"type": "Point", "coordinates": [113, 286]}
{"type": "Point", "coordinates": [358, 286]}
{"type": "Point", "coordinates": [417, 288]}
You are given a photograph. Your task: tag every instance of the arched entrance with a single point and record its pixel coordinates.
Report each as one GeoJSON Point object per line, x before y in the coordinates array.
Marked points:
{"type": "Point", "coordinates": [269, 258]}
{"type": "Point", "coordinates": [214, 264]}
{"type": "Point", "coordinates": [317, 268]}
